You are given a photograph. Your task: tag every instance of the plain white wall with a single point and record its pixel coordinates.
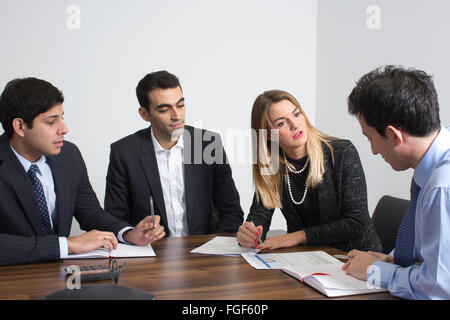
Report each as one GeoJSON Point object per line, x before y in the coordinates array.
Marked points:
{"type": "Point", "coordinates": [225, 53]}
{"type": "Point", "coordinates": [412, 33]}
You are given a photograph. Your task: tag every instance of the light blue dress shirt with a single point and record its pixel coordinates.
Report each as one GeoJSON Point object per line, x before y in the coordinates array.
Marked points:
{"type": "Point", "coordinates": [430, 277]}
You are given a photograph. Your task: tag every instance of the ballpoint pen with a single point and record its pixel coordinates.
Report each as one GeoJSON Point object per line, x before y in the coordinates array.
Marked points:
{"type": "Point", "coordinates": [152, 211]}
{"type": "Point", "coordinates": [259, 236]}
{"type": "Point", "coordinates": [340, 256]}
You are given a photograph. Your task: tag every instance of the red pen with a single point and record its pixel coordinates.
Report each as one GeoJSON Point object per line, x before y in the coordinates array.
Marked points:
{"type": "Point", "coordinates": [316, 274]}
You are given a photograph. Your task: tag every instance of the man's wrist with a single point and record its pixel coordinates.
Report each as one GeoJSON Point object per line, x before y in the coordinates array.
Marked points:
{"type": "Point", "coordinates": [63, 247]}
{"type": "Point", "coordinates": [123, 235]}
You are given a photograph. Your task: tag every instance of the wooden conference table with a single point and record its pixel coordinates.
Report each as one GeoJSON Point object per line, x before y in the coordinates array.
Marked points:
{"type": "Point", "coordinates": [175, 274]}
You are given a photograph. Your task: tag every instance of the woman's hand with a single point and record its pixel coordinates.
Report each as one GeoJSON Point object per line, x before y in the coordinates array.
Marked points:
{"type": "Point", "coordinates": [248, 235]}
{"type": "Point", "coordinates": [285, 241]}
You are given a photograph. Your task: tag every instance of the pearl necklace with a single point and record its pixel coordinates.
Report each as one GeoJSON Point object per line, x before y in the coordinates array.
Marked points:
{"type": "Point", "coordinates": [289, 181]}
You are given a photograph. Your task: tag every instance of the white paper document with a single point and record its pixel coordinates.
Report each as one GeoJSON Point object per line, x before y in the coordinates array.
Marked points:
{"type": "Point", "coordinates": [227, 246]}
{"type": "Point", "coordinates": [291, 259]}
{"type": "Point", "coordinates": [315, 268]}
{"type": "Point", "coordinates": [122, 251]}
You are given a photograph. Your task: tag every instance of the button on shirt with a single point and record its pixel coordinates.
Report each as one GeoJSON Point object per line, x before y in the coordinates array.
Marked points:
{"type": "Point", "coordinates": [171, 173]}
{"type": "Point", "coordinates": [430, 278]}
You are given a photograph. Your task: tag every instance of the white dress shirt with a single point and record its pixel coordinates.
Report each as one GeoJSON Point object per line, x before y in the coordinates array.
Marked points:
{"type": "Point", "coordinates": [171, 173]}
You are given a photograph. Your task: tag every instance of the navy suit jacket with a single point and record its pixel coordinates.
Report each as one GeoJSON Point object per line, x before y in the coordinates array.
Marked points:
{"type": "Point", "coordinates": [212, 201]}
{"type": "Point", "coordinates": [21, 239]}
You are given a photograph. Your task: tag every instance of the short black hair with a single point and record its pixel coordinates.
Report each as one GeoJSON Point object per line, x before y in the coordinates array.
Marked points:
{"type": "Point", "coordinates": [393, 95]}
{"type": "Point", "coordinates": [155, 80]}
{"type": "Point", "coordinates": [26, 98]}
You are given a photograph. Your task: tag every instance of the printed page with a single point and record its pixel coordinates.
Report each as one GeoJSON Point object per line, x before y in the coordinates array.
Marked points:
{"type": "Point", "coordinates": [227, 246]}
{"type": "Point", "coordinates": [342, 282]}
{"type": "Point", "coordinates": [302, 271]}
{"type": "Point", "coordinates": [291, 259]}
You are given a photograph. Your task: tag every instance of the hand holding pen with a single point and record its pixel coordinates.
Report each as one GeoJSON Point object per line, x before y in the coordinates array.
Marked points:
{"type": "Point", "coordinates": [249, 235]}
{"type": "Point", "coordinates": [156, 231]}
{"type": "Point", "coordinates": [147, 231]}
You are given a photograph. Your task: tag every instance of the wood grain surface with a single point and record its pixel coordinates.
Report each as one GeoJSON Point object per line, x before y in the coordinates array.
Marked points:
{"type": "Point", "coordinates": [175, 274]}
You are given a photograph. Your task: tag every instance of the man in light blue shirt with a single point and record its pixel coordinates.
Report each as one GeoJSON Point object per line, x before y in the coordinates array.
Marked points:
{"type": "Point", "coordinates": [398, 111]}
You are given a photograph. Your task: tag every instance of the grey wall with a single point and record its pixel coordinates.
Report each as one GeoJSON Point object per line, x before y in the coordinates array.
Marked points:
{"type": "Point", "coordinates": [225, 53]}
{"type": "Point", "coordinates": [412, 33]}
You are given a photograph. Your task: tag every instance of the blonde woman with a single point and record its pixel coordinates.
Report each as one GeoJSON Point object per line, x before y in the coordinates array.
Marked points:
{"type": "Point", "coordinates": [319, 183]}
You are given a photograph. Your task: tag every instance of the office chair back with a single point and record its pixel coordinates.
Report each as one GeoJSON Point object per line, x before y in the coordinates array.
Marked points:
{"type": "Point", "coordinates": [386, 218]}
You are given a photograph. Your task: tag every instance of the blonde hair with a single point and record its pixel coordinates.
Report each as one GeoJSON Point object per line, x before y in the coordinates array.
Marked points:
{"type": "Point", "coordinates": [269, 186]}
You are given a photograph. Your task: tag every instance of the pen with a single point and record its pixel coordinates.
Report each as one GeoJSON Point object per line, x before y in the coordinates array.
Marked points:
{"type": "Point", "coordinates": [259, 236]}
{"type": "Point", "coordinates": [340, 256]}
{"type": "Point", "coordinates": [152, 211]}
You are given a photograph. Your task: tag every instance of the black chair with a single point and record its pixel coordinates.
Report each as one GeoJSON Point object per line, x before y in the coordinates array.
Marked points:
{"type": "Point", "coordinates": [386, 218]}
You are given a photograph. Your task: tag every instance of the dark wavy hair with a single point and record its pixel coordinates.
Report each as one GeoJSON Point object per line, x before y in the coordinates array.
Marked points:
{"type": "Point", "coordinates": [392, 95]}
{"type": "Point", "coordinates": [26, 98]}
{"type": "Point", "coordinates": [155, 80]}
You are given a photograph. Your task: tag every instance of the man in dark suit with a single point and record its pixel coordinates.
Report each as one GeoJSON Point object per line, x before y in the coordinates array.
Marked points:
{"type": "Point", "coordinates": [44, 184]}
{"type": "Point", "coordinates": [184, 169]}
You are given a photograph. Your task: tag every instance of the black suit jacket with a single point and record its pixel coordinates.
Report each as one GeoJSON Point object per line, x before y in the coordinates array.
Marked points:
{"type": "Point", "coordinates": [21, 239]}
{"type": "Point", "coordinates": [344, 218]}
{"type": "Point", "coordinates": [212, 201]}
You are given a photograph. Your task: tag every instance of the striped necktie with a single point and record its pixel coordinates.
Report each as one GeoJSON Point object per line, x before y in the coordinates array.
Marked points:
{"type": "Point", "coordinates": [404, 246]}
{"type": "Point", "coordinates": [41, 201]}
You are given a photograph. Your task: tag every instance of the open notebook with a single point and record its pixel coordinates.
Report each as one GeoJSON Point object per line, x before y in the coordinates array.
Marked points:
{"type": "Point", "coordinates": [331, 281]}
{"type": "Point", "coordinates": [122, 251]}
{"type": "Point", "coordinates": [318, 269]}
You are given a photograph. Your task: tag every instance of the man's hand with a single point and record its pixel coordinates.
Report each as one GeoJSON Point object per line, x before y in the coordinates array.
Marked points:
{"type": "Point", "coordinates": [382, 257]}
{"type": "Point", "coordinates": [145, 233]}
{"type": "Point", "coordinates": [359, 261]}
{"type": "Point", "coordinates": [90, 241]}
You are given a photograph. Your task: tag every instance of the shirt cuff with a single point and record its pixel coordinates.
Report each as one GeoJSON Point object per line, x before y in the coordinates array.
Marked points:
{"type": "Point", "coordinates": [63, 248]}
{"type": "Point", "coordinates": [121, 232]}
{"type": "Point", "coordinates": [381, 273]}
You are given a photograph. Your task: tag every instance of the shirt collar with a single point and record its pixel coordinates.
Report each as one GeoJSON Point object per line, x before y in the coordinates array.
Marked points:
{"type": "Point", "coordinates": [27, 164]}
{"type": "Point", "coordinates": [437, 150]}
{"type": "Point", "coordinates": [159, 148]}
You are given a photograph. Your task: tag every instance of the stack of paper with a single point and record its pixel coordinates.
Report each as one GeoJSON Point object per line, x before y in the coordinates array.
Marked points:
{"type": "Point", "coordinates": [226, 246]}
{"type": "Point", "coordinates": [291, 259]}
